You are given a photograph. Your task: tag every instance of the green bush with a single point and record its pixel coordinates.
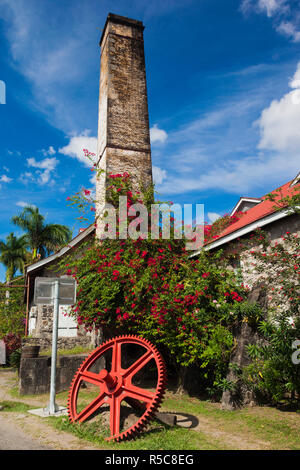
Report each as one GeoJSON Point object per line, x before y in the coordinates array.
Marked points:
{"type": "Point", "coordinates": [12, 311]}
{"type": "Point", "coordinates": [272, 375]}
{"type": "Point", "coordinates": [152, 288]}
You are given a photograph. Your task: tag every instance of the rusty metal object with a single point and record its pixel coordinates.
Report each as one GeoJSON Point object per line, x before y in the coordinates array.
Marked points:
{"type": "Point", "coordinates": [116, 385]}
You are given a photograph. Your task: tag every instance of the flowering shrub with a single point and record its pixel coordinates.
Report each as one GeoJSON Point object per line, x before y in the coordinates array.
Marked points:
{"type": "Point", "coordinates": [272, 374]}
{"type": "Point", "coordinates": [213, 231]}
{"type": "Point", "coordinates": [151, 288]}
{"type": "Point", "coordinates": [12, 342]}
{"type": "Point", "coordinates": [12, 311]}
{"type": "Point", "coordinates": [187, 307]}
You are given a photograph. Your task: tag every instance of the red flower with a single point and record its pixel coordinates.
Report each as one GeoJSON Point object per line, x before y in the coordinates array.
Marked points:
{"type": "Point", "coordinates": [116, 274]}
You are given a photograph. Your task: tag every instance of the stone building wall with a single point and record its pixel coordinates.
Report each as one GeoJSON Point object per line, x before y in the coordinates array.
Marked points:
{"type": "Point", "coordinates": [42, 315]}
{"type": "Point", "coordinates": [261, 293]}
{"type": "Point", "coordinates": [275, 231]}
{"type": "Point", "coordinates": [248, 264]}
{"type": "Point", "coordinates": [35, 373]}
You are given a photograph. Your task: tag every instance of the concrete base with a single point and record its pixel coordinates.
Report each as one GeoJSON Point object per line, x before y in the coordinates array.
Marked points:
{"type": "Point", "coordinates": [45, 413]}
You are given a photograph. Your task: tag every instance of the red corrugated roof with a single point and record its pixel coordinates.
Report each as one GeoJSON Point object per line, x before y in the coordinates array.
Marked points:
{"type": "Point", "coordinates": [259, 211]}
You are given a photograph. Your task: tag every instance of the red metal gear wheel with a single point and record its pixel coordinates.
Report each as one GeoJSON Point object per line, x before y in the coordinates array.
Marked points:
{"type": "Point", "coordinates": [116, 385]}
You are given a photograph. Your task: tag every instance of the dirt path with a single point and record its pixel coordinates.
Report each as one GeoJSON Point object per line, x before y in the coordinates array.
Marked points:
{"type": "Point", "coordinates": [26, 431]}
{"type": "Point", "coordinates": [232, 439]}
{"type": "Point", "coordinates": [39, 433]}
{"type": "Point", "coordinates": [13, 438]}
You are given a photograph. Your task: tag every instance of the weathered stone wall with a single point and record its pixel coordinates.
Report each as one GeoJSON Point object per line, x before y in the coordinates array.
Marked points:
{"type": "Point", "coordinates": [244, 335]}
{"type": "Point", "coordinates": [45, 342]}
{"type": "Point", "coordinates": [123, 127]}
{"type": "Point", "coordinates": [275, 231]}
{"type": "Point", "coordinates": [251, 274]}
{"type": "Point", "coordinates": [34, 375]}
{"type": "Point", "coordinates": [43, 315]}
{"type": "Point", "coordinates": [261, 293]}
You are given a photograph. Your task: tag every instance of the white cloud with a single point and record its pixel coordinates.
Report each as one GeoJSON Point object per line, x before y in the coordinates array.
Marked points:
{"type": "Point", "coordinates": [23, 204]}
{"type": "Point", "coordinates": [93, 180]}
{"type": "Point", "coordinates": [157, 135]}
{"type": "Point", "coordinates": [15, 152]}
{"type": "Point", "coordinates": [47, 165]}
{"type": "Point", "coordinates": [159, 175]}
{"type": "Point", "coordinates": [236, 176]}
{"type": "Point", "coordinates": [56, 53]}
{"type": "Point", "coordinates": [26, 177]}
{"type": "Point", "coordinates": [279, 122]}
{"type": "Point", "coordinates": [284, 14]}
{"type": "Point", "coordinates": [76, 145]}
{"type": "Point", "coordinates": [242, 160]}
{"type": "Point", "coordinates": [48, 152]}
{"type": "Point", "coordinates": [5, 179]}
{"type": "Point", "coordinates": [289, 29]}
{"type": "Point", "coordinates": [270, 7]}
{"type": "Point", "coordinates": [213, 216]}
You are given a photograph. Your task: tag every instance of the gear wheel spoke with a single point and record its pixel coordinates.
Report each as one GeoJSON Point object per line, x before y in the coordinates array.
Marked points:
{"type": "Point", "coordinates": [91, 408]}
{"type": "Point", "coordinates": [115, 385]}
{"type": "Point", "coordinates": [116, 357]}
{"type": "Point", "coordinates": [115, 412]}
{"type": "Point", "coordinates": [138, 393]}
{"type": "Point", "coordinates": [138, 365]}
{"type": "Point", "coordinates": [91, 378]}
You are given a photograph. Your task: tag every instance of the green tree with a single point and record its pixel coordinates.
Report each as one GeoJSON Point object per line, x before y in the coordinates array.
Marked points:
{"type": "Point", "coordinates": [42, 238]}
{"type": "Point", "coordinates": [13, 254]}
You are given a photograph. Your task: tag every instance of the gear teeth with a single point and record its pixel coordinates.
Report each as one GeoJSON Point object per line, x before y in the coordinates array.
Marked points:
{"type": "Point", "coordinates": [142, 422]}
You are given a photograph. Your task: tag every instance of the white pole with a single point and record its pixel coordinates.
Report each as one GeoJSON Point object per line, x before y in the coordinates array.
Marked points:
{"type": "Point", "coordinates": [52, 408]}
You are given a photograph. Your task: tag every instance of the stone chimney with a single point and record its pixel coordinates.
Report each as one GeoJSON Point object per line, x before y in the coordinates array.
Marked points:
{"type": "Point", "coordinates": [123, 126]}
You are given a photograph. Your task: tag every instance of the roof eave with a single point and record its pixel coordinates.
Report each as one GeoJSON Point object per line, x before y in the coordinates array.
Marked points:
{"type": "Point", "coordinates": [62, 251]}
{"type": "Point", "coordinates": [245, 230]}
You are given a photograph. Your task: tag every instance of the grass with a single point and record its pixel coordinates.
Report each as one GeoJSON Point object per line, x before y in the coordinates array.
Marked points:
{"type": "Point", "coordinates": [15, 406]}
{"type": "Point", "coordinates": [265, 426]}
{"type": "Point", "coordinates": [67, 352]}
{"type": "Point", "coordinates": [274, 429]}
{"type": "Point", "coordinates": [280, 429]}
{"type": "Point", "coordinates": [157, 437]}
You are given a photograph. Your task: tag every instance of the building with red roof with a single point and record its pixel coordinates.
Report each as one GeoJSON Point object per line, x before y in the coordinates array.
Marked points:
{"type": "Point", "coordinates": [253, 213]}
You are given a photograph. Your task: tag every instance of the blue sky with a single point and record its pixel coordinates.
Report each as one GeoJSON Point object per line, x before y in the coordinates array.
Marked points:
{"type": "Point", "coordinates": [223, 89]}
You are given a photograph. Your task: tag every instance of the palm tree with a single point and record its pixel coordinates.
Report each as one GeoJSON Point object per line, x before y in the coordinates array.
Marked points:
{"type": "Point", "coordinates": [42, 238]}
{"type": "Point", "coordinates": [13, 254]}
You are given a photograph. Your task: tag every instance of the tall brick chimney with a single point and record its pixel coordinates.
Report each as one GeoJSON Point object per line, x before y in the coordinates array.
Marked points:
{"type": "Point", "coordinates": [123, 126]}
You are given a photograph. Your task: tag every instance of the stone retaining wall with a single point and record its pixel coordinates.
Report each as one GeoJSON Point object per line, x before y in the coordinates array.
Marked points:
{"type": "Point", "coordinates": [34, 375]}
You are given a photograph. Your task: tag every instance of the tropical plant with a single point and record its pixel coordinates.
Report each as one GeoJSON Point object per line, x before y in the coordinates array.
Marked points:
{"type": "Point", "coordinates": [273, 374]}
{"type": "Point", "coordinates": [151, 287]}
{"type": "Point", "coordinates": [12, 309]}
{"type": "Point", "coordinates": [13, 254]}
{"type": "Point", "coordinates": [42, 238]}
